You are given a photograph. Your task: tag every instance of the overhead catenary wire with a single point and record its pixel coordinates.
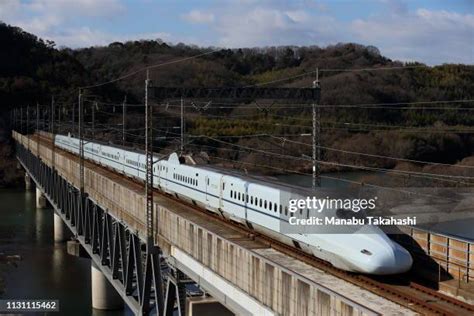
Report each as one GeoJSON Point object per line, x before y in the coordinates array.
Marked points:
{"type": "Point", "coordinates": [340, 164]}
{"type": "Point", "coordinates": [386, 171]}
{"type": "Point", "coordinates": [322, 70]}
{"type": "Point", "coordinates": [376, 156]}
{"type": "Point", "coordinates": [398, 190]}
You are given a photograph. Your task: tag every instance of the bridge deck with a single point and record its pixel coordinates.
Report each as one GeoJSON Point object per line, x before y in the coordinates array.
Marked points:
{"type": "Point", "coordinates": [226, 254]}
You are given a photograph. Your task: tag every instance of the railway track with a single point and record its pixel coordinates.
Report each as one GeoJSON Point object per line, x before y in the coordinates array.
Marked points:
{"type": "Point", "coordinates": [399, 289]}
{"type": "Point", "coordinates": [404, 292]}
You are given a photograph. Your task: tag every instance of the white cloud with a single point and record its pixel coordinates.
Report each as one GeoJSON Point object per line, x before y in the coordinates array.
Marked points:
{"type": "Point", "coordinates": [268, 26]}
{"type": "Point", "coordinates": [86, 37]}
{"type": "Point", "coordinates": [432, 36]}
{"type": "Point", "coordinates": [196, 16]}
{"type": "Point", "coordinates": [8, 8]}
{"type": "Point", "coordinates": [76, 7]}
{"type": "Point", "coordinates": [48, 19]}
{"type": "Point", "coordinates": [426, 35]}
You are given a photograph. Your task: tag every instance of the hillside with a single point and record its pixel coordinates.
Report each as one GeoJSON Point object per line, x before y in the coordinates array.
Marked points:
{"type": "Point", "coordinates": [419, 134]}
{"type": "Point", "coordinates": [31, 70]}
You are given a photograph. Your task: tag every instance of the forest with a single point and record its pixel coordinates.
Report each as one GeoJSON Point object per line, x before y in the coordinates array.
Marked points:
{"type": "Point", "coordinates": [391, 118]}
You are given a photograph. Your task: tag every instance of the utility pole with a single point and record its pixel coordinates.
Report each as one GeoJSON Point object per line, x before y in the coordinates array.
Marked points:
{"type": "Point", "coordinates": [149, 166]}
{"type": "Point", "coordinates": [73, 129]}
{"type": "Point", "coordinates": [28, 122]}
{"type": "Point", "coordinates": [94, 105]}
{"type": "Point", "coordinates": [124, 112]}
{"type": "Point", "coordinates": [316, 180]}
{"type": "Point", "coordinates": [80, 122]}
{"type": "Point", "coordinates": [37, 129]}
{"type": "Point", "coordinates": [27, 117]}
{"type": "Point", "coordinates": [81, 142]}
{"type": "Point", "coordinates": [51, 130]}
{"type": "Point", "coordinates": [21, 120]}
{"type": "Point", "coordinates": [152, 266]}
{"type": "Point", "coordinates": [59, 118]}
{"type": "Point", "coordinates": [182, 125]}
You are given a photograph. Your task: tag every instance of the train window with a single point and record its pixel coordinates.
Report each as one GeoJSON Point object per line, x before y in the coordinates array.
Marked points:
{"type": "Point", "coordinates": [265, 204]}
{"type": "Point", "coordinates": [223, 186]}
{"type": "Point", "coordinates": [231, 194]}
{"type": "Point", "coordinates": [281, 207]}
{"type": "Point", "coordinates": [260, 203]}
{"type": "Point", "coordinates": [251, 200]}
{"type": "Point", "coordinates": [286, 210]}
{"type": "Point", "coordinates": [274, 207]}
{"type": "Point", "coordinates": [207, 181]}
{"type": "Point", "coordinates": [239, 196]}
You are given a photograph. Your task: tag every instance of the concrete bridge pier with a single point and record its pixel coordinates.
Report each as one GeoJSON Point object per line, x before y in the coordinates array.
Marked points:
{"type": "Point", "coordinates": [60, 230]}
{"type": "Point", "coordinates": [41, 201]}
{"type": "Point", "coordinates": [28, 182]}
{"type": "Point", "coordinates": [104, 295]}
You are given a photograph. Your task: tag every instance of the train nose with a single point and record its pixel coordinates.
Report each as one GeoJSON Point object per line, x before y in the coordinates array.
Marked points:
{"type": "Point", "coordinates": [392, 261]}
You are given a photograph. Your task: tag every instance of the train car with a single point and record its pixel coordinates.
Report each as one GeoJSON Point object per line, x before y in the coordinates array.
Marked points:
{"type": "Point", "coordinates": [260, 205]}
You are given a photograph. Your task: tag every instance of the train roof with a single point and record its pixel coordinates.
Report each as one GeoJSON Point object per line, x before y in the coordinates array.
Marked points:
{"type": "Point", "coordinates": [256, 179]}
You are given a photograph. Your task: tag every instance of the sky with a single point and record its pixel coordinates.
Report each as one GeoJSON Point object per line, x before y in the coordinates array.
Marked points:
{"type": "Point", "coordinates": [429, 31]}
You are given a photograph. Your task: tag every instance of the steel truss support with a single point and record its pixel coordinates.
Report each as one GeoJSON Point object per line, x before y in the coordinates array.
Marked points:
{"type": "Point", "coordinates": [175, 293]}
{"type": "Point", "coordinates": [129, 263]}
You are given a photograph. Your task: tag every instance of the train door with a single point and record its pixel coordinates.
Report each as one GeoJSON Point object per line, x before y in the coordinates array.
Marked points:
{"type": "Point", "coordinates": [207, 190]}
{"type": "Point", "coordinates": [221, 193]}
{"type": "Point", "coordinates": [246, 198]}
{"type": "Point", "coordinates": [119, 164]}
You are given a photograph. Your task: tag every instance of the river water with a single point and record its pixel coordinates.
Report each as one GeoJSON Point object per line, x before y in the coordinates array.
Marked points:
{"type": "Point", "coordinates": [46, 271]}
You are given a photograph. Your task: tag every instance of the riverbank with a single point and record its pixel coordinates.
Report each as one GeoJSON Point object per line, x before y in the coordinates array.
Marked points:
{"type": "Point", "coordinates": [46, 271]}
{"type": "Point", "coordinates": [10, 175]}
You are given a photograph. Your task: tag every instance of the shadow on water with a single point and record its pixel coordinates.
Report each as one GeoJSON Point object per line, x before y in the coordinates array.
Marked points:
{"type": "Point", "coordinates": [45, 271]}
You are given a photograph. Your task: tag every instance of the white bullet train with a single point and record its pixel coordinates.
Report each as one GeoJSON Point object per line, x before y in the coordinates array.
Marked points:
{"type": "Point", "coordinates": [257, 204]}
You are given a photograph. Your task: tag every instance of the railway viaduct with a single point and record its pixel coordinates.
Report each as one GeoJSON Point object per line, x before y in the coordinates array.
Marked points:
{"type": "Point", "coordinates": [193, 251]}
